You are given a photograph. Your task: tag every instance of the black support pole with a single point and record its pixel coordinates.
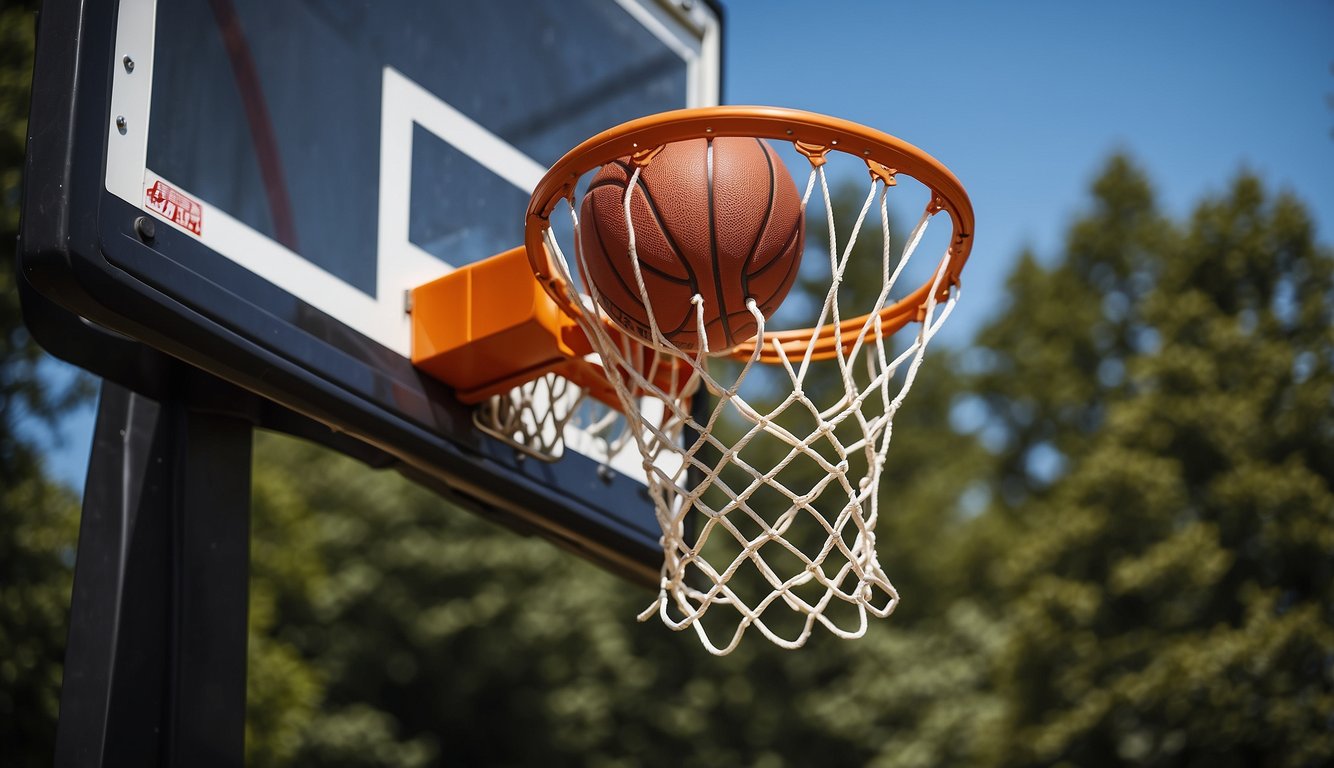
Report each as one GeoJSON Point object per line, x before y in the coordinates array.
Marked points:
{"type": "Point", "coordinates": [155, 664]}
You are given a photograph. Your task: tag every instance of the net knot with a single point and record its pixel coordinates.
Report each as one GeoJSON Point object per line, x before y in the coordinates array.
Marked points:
{"type": "Point", "coordinates": [767, 493]}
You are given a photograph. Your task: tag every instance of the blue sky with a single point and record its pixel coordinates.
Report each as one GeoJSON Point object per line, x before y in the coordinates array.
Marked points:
{"type": "Point", "coordinates": [1024, 101]}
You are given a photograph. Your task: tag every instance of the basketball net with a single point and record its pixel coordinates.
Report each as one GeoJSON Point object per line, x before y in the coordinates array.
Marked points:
{"type": "Point", "coordinates": [768, 503]}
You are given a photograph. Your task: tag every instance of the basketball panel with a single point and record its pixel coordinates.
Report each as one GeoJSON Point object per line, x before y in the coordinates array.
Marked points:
{"type": "Point", "coordinates": [769, 286]}
{"type": "Point", "coordinates": [786, 215]}
{"type": "Point", "coordinates": [200, 213]}
{"type": "Point", "coordinates": [607, 261]}
{"type": "Point", "coordinates": [677, 184]}
{"type": "Point", "coordinates": [742, 187]}
{"type": "Point", "coordinates": [605, 202]}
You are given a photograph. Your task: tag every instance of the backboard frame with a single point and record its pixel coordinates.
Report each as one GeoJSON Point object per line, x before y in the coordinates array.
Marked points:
{"type": "Point", "coordinates": [86, 249]}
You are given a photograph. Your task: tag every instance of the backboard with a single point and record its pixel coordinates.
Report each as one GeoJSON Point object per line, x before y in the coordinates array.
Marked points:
{"type": "Point", "coordinates": [253, 188]}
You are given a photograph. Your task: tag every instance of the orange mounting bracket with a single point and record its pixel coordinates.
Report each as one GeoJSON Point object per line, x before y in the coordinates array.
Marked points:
{"type": "Point", "coordinates": [490, 326]}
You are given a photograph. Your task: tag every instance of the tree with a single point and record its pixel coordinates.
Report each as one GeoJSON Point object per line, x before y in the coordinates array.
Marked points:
{"type": "Point", "coordinates": [38, 517]}
{"type": "Point", "coordinates": [1058, 357]}
{"type": "Point", "coordinates": [435, 634]}
{"type": "Point", "coordinates": [38, 527]}
{"type": "Point", "coordinates": [1151, 581]}
{"type": "Point", "coordinates": [1171, 586]}
{"type": "Point", "coordinates": [431, 634]}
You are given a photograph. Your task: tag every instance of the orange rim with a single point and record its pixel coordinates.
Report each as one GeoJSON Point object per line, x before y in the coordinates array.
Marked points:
{"type": "Point", "coordinates": [813, 135]}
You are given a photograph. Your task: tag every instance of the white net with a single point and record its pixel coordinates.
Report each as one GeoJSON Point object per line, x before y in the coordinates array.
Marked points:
{"type": "Point", "coordinates": [542, 417]}
{"type": "Point", "coordinates": [768, 497]}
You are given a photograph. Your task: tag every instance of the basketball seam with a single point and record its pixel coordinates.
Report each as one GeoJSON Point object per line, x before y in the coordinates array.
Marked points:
{"type": "Point", "coordinates": [713, 249]}
{"type": "Point", "coordinates": [666, 230]}
{"type": "Point", "coordinates": [787, 244]}
{"type": "Point", "coordinates": [607, 183]}
{"type": "Point", "coordinates": [791, 263]}
{"type": "Point", "coordinates": [716, 320]}
{"type": "Point", "coordinates": [643, 264]}
{"type": "Point", "coordinates": [671, 242]}
{"type": "Point", "coordinates": [764, 224]}
{"type": "Point", "coordinates": [773, 195]}
{"type": "Point", "coordinates": [632, 292]}
{"type": "Point", "coordinates": [602, 250]}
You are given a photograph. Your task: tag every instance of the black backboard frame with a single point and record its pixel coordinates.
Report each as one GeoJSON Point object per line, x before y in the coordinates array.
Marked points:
{"type": "Point", "coordinates": [82, 251]}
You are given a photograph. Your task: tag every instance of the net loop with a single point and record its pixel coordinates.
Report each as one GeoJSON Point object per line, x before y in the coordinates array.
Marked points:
{"type": "Point", "coordinates": [764, 461]}
{"type": "Point", "coordinates": [768, 504]}
{"type": "Point", "coordinates": [540, 418]}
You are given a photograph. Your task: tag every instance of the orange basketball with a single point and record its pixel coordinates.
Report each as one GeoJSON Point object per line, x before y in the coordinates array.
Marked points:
{"type": "Point", "coordinates": [719, 218]}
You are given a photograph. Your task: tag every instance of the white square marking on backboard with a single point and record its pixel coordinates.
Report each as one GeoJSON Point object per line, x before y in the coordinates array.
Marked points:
{"type": "Point", "coordinates": [402, 264]}
{"type": "Point", "coordinates": [131, 97]}
{"type": "Point", "coordinates": [690, 33]}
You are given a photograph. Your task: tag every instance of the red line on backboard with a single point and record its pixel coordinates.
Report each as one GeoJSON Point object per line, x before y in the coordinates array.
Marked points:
{"type": "Point", "coordinates": [257, 116]}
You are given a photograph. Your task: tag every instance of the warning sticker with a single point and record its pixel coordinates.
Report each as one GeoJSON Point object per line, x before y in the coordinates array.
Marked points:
{"type": "Point", "coordinates": [178, 208]}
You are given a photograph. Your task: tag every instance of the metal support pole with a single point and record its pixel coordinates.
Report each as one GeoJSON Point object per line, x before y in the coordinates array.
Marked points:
{"type": "Point", "coordinates": [155, 664]}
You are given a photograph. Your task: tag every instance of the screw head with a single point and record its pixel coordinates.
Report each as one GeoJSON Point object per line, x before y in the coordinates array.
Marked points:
{"type": "Point", "coordinates": [129, 64]}
{"type": "Point", "coordinates": [122, 124]}
{"type": "Point", "coordinates": [146, 228]}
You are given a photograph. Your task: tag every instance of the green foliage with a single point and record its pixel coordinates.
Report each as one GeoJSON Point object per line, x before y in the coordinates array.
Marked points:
{"type": "Point", "coordinates": [1054, 361]}
{"type": "Point", "coordinates": [1139, 575]}
{"type": "Point", "coordinates": [283, 689]}
{"type": "Point", "coordinates": [1136, 572]}
{"type": "Point", "coordinates": [17, 39]}
{"type": "Point", "coordinates": [1171, 589]}
{"type": "Point", "coordinates": [38, 526]}
{"type": "Point", "coordinates": [435, 636]}
{"type": "Point", "coordinates": [24, 394]}
{"type": "Point", "coordinates": [432, 633]}
{"type": "Point", "coordinates": [38, 519]}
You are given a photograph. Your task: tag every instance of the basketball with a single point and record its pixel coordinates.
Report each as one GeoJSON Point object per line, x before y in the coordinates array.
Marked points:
{"type": "Point", "coordinates": [720, 218]}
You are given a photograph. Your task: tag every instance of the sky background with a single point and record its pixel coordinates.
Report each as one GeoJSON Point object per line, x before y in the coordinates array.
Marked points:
{"type": "Point", "coordinates": [1026, 100]}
